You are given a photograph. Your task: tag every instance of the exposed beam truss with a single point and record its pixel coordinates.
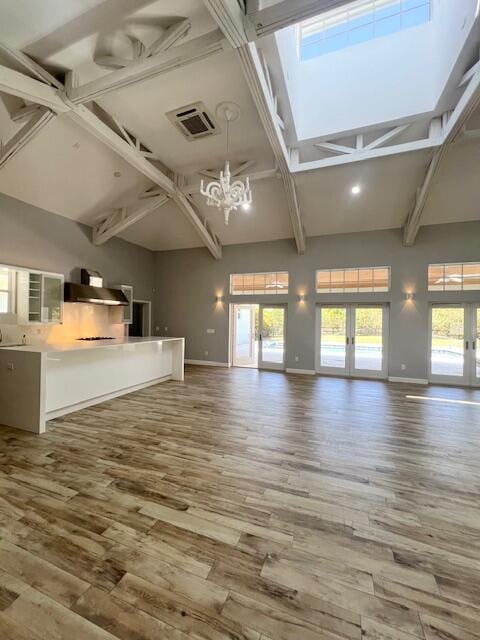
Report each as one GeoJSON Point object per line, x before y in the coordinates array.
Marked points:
{"type": "Point", "coordinates": [37, 122]}
{"type": "Point", "coordinates": [145, 68]}
{"type": "Point", "coordinates": [132, 152]}
{"type": "Point", "coordinates": [120, 219]}
{"type": "Point", "coordinates": [230, 19]}
{"type": "Point", "coordinates": [169, 38]}
{"type": "Point", "coordinates": [453, 128]}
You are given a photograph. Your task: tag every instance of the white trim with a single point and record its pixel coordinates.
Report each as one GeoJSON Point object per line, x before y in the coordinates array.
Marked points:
{"type": "Point", "coordinates": [407, 380]}
{"type": "Point", "coordinates": [301, 372]}
{"type": "Point", "coordinates": [207, 363]}
{"type": "Point", "coordinates": [50, 415]}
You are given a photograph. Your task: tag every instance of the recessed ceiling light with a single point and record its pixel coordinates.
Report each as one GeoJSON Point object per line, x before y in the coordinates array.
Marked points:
{"type": "Point", "coordinates": [356, 189]}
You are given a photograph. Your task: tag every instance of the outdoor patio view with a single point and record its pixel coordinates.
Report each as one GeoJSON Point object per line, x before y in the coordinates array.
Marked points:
{"type": "Point", "coordinates": [448, 333]}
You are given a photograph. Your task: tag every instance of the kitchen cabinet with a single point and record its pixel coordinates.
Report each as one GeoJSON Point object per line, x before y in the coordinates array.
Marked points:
{"type": "Point", "coordinates": [127, 289]}
{"type": "Point", "coordinates": [39, 297]}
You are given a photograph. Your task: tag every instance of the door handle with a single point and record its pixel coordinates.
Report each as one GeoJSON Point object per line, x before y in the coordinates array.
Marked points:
{"type": "Point", "coordinates": [347, 340]}
{"type": "Point", "coordinates": [466, 345]}
{"type": "Point", "coordinates": [353, 340]}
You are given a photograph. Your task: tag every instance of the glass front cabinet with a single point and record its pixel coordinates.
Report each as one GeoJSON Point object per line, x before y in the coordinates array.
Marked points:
{"type": "Point", "coordinates": [39, 297]}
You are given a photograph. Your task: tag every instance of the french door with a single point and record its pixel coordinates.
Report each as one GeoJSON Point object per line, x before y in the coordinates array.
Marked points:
{"type": "Point", "coordinates": [454, 344]}
{"type": "Point", "coordinates": [352, 340]}
{"type": "Point", "coordinates": [271, 332]}
{"type": "Point", "coordinates": [245, 343]}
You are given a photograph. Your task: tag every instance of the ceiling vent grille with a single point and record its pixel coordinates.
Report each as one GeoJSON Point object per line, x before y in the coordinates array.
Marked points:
{"type": "Point", "coordinates": [194, 121]}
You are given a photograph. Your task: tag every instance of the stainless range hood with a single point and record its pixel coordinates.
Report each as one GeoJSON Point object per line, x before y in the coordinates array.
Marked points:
{"type": "Point", "coordinates": [87, 293]}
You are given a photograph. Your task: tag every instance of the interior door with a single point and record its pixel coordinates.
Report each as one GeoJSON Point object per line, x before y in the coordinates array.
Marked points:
{"type": "Point", "coordinates": [369, 340]}
{"type": "Point", "coordinates": [271, 324]}
{"type": "Point", "coordinates": [245, 351]}
{"type": "Point", "coordinates": [450, 344]}
{"type": "Point", "coordinates": [333, 353]}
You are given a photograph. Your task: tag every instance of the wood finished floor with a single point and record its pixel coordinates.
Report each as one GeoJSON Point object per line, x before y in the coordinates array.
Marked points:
{"type": "Point", "coordinates": [245, 505]}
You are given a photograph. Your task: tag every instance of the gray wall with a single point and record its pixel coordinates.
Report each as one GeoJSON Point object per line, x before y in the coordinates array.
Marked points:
{"type": "Point", "coordinates": [31, 237]}
{"type": "Point", "coordinates": [188, 281]}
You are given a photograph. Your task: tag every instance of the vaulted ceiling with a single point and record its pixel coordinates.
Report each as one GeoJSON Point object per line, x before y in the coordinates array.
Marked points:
{"type": "Point", "coordinates": [67, 170]}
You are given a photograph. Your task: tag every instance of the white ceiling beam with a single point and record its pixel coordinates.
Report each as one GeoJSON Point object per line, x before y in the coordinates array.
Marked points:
{"type": "Point", "coordinates": [390, 135]}
{"type": "Point", "coordinates": [285, 13]}
{"type": "Point", "coordinates": [365, 154]}
{"type": "Point", "coordinates": [145, 69]}
{"type": "Point", "coordinates": [25, 113]}
{"type": "Point", "coordinates": [170, 37]}
{"type": "Point", "coordinates": [89, 121]}
{"type": "Point", "coordinates": [453, 128]}
{"type": "Point", "coordinates": [229, 17]}
{"type": "Point", "coordinates": [30, 66]}
{"type": "Point", "coordinates": [37, 122]}
{"type": "Point", "coordinates": [255, 77]}
{"type": "Point", "coordinates": [125, 217]}
{"type": "Point", "coordinates": [335, 148]}
{"type": "Point", "coordinates": [18, 84]}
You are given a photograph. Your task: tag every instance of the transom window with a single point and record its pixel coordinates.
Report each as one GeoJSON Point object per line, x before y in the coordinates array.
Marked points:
{"type": "Point", "coordinates": [362, 21]}
{"type": "Point", "coordinates": [272, 282]}
{"type": "Point", "coordinates": [355, 280]}
{"type": "Point", "coordinates": [454, 276]}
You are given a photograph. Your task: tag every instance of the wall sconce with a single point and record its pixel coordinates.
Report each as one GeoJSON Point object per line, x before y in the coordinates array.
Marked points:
{"type": "Point", "coordinates": [301, 297]}
{"type": "Point", "coordinates": [409, 296]}
{"type": "Point", "coordinates": [219, 299]}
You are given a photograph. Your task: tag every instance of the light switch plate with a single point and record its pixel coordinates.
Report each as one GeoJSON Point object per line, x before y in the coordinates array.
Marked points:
{"type": "Point", "coordinates": [210, 330]}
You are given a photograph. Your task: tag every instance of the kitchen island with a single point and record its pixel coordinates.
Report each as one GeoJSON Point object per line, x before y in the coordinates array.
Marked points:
{"type": "Point", "coordinates": [44, 381]}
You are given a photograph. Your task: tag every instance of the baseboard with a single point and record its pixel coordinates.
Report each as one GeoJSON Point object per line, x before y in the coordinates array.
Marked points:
{"type": "Point", "coordinates": [408, 380]}
{"type": "Point", "coordinates": [207, 363]}
{"type": "Point", "coordinates": [302, 372]}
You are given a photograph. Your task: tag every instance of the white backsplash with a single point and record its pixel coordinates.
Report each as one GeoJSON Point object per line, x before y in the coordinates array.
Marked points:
{"type": "Point", "coordinates": [80, 320]}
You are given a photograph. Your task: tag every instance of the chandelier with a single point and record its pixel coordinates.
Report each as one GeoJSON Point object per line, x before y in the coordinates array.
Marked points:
{"type": "Point", "coordinates": [223, 193]}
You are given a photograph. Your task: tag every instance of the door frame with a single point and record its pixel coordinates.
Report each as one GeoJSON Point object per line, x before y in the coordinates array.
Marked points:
{"type": "Point", "coordinates": [265, 365]}
{"type": "Point", "coordinates": [469, 378]}
{"type": "Point", "coordinates": [233, 333]}
{"type": "Point", "coordinates": [147, 317]}
{"type": "Point", "coordinates": [349, 371]}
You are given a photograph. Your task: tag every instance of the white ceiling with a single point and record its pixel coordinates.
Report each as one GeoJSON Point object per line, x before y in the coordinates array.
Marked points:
{"type": "Point", "coordinates": [68, 172]}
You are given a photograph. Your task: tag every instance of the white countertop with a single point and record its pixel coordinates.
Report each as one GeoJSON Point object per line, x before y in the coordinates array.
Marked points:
{"type": "Point", "coordinates": [84, 345]}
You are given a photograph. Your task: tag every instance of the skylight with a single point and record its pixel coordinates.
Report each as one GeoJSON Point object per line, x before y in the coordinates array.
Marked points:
{"type": "Point", "coordinates": [362, 21]}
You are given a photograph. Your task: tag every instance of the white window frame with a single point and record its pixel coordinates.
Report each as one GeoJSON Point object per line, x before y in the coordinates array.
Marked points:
{"type": "Point", "coordinates": [270, 292]}
{"type": "Point", "coordinates": [449, 264]}
{"type": "Point", "coordinates": [343, 269]}
{"type": "Point", "coordinates": [343, 15]}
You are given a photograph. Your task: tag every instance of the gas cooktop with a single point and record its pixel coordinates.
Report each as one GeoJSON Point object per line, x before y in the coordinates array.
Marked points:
{"type": "Point", "coordinates": [89, 339]}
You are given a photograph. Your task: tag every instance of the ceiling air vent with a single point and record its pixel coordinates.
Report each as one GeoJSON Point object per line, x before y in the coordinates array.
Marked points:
{"type": "Point", "coordinates": [194, 121]}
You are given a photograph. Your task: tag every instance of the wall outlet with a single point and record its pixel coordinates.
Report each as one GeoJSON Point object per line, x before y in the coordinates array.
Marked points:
{"type": "Point", "coordinates": [210, 330]}
{"type": "Point", "coordinates": [166, 329]}
{"type": "Point", "coordinates": [10, 366]}
{"type": "Point", "coordinates": [296, 358]}
{"type": "Point", "coordinates": [206, 353]}
{"type": "Point", "coordinates": [403, 367]}
{"type": "Point", "coordinates": [157, 328]}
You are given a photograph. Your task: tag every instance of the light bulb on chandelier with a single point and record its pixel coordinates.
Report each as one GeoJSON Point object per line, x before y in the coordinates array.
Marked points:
{"type": "Point", "coordinates": [223, 193]}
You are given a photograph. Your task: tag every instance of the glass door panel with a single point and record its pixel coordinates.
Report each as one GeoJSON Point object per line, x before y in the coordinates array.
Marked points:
{"type": "Point", "coordinates": [245, 344]}
{"type": "Point", "coordinates": [448, 344]}
{"type": "Point", "coordinates": [272, 337]}
{"type": "Point", "coordinates": [476, 344]}
{"type": "Point", "coordinates": [368, 340]}
{"type": "Point", "coordinates": [52, 299]}
{"type": "Point", "coordinates": [333, 339]}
